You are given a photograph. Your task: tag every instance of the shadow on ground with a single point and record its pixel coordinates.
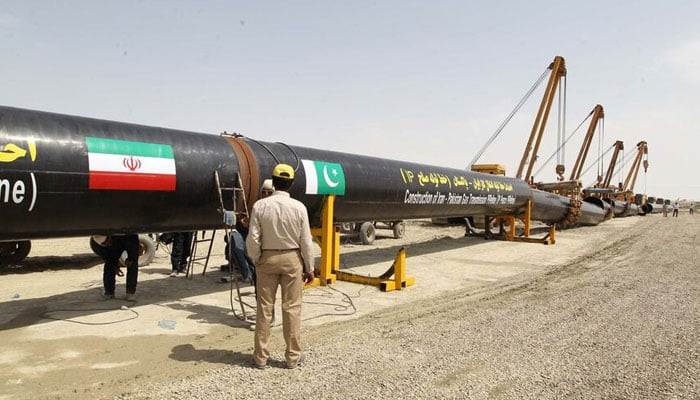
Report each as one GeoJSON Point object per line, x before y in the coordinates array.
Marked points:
{"type": "Point", "coordinates": [52, 263]}
{"type": "Point", "coordinates": [171, 293]}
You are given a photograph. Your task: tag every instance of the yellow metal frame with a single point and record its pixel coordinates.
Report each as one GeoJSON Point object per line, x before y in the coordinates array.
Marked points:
{"type": "Point", "coordinates": [509, 234]}
{"type": "Point", "coordinates": [328, 237]}
{"type": "Point", "coordinates": [493, 169]}
{"type": "Point", "coordinates": [397, 269]}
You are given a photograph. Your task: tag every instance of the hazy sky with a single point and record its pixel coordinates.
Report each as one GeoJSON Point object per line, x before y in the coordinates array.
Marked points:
{"type": "Point", "coordinates": [425, 81]}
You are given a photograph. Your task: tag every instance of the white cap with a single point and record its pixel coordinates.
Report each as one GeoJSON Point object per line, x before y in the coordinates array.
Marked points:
{"type": "Point", "coordinates": [99, 239]}
{"type": "Point", "coordinates": [267, 185]}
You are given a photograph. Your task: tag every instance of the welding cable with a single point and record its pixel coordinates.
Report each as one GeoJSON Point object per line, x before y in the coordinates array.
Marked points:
{"type": "Point", "coordinates": [274, 156]}
{"type": "Point", "coordinates": [337, 307]}
{"type": "Point", "coordinates": [47, 316]}
{"type": "Point", "coordinates": [296, 168]}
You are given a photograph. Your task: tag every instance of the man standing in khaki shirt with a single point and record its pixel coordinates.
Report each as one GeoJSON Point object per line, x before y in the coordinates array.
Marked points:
{"type": "Point", "coordinates": [279, 243]}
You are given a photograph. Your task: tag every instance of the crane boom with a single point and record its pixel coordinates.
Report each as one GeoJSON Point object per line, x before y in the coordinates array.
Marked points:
{"type": "Point", "coordinates": [611, 168]}
{"type": "Point", "coordinates": [598, 114]}
{"type": "Point", "coordinates": [642, 152]}
{"type": "Point", "coordinates": [558, 68]}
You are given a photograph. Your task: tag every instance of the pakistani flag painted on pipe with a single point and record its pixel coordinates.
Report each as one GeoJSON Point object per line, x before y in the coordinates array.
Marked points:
{"type": "Point", "coordinates": [324, 177]}
{"type": "Point", "coordinates": [125, 165]}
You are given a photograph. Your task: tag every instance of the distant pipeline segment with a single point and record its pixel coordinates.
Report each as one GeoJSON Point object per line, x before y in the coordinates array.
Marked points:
{"type": "Point", "coordinates": [66, 175]}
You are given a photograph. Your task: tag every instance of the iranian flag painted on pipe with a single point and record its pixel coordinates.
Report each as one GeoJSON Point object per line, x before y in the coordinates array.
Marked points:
{"type": "Point", "coordinates": [324, 177]}
{"type": "Point", "coordinates": [125, 165]}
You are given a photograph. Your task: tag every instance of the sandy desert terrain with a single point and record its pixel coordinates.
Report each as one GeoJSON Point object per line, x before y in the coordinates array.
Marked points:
{"type": "Point", "coordinates": [609, 311]}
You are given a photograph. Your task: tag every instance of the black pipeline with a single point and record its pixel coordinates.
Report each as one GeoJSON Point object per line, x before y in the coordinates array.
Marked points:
{"type": "Point", "coordinates": [65, 175]}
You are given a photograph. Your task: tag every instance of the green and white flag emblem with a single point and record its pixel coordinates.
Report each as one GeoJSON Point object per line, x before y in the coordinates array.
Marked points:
{"type": "Point", "coordinates": [324, 177]}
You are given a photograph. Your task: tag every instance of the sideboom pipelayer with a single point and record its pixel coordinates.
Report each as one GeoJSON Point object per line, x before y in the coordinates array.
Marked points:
{"type": "Point", "coordinates": [63, 176]}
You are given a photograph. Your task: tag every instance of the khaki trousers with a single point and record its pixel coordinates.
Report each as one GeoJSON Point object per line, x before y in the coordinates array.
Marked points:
{"type": "Point", "coordinates": [284, 269]}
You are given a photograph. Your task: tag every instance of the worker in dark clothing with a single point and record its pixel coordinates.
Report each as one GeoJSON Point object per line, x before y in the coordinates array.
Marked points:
{"type": "Point", "coordinates": [110, 248]}
{"type": "Point", "coordinates": [180, 253]}
{"type": "Point", "coordinates": [238, 254]}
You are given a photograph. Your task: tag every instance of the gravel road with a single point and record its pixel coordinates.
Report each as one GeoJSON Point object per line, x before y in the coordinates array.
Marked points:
{"type": "Point", "coordinates": [619, 322]}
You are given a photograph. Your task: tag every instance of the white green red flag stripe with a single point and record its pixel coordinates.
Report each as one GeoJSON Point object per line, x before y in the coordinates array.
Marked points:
{"type": "Point", "coordinates": [126, 165]}
{"type": "Point", "coordinates": [324, 177]}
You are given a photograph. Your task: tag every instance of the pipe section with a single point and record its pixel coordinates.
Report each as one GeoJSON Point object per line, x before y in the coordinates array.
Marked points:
{"type": "Point", "coordinates": [594, 211]}
{"type": "Point", "coordinates": [65, 175]}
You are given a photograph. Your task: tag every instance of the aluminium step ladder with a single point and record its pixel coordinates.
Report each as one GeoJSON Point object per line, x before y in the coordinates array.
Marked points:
{"type": "Point", "coordinates": [208, 239]}
{"type": "Point", "coordinates": [238, 197]}
{"type": "Point", "coordinates": [194, 258]}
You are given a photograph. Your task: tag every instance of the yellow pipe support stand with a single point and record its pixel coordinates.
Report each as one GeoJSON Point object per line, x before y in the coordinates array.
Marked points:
{"type": "Point", "coordinates": [526, 220]}
{"type": "Point", "coordinates": [398, 270]}
{"type": "Point", "coordinates": [328, 236]}
{"type": "Point", "coordinates": [400, 279]}
{"type": "Point", "coordinates": [528, 215]}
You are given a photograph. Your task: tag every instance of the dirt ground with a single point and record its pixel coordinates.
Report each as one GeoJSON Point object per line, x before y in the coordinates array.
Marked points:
{"type": "Point", "coordinates": [61, 341]}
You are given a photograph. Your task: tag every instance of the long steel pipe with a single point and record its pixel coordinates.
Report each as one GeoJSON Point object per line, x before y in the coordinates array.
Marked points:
{"type": "Point", "coordinates": [619, 207]}
{"type": "Point", "coordinates": [594, 211]}
{"type": "Point", "coordinates": [65, 175]}
{"type": "Point", "coordinates": [653, 208]}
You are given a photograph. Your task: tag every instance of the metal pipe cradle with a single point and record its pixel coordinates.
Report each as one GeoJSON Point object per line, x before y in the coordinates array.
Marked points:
{"type": "Point", "coordinates": [64, 175]}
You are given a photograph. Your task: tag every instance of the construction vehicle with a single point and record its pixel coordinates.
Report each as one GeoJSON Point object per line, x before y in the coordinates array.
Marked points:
{"type": "Point", "coordinates": [367, 230]}
{"type": "Point", "coordinates": [604, 182]}
{"type": "Point", "coordinates": [626, 192]}
{"type": "Point", "coordinates": [621, 197]}
{"type": "Point", "coordinates": [572, 188]}
{"type": "Point", "coordinates": [590, 212]}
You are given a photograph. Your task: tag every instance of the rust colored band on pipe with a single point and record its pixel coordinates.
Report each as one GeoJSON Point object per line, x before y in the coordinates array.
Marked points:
{"type": "Point", "coordinates": [248, 169]}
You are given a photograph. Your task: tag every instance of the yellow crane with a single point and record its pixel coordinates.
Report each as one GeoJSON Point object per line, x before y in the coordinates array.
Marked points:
{"type": "Point", "coordinates": [604, 182]}
{"type": "Point", "coordinates": [558, 68]}
{"type": "Point", "coordinates": [572, 187]}
{"type": "Point", "coordinates": [641, 159]}
{"type": "Point", "coordinates": [597, 115]}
